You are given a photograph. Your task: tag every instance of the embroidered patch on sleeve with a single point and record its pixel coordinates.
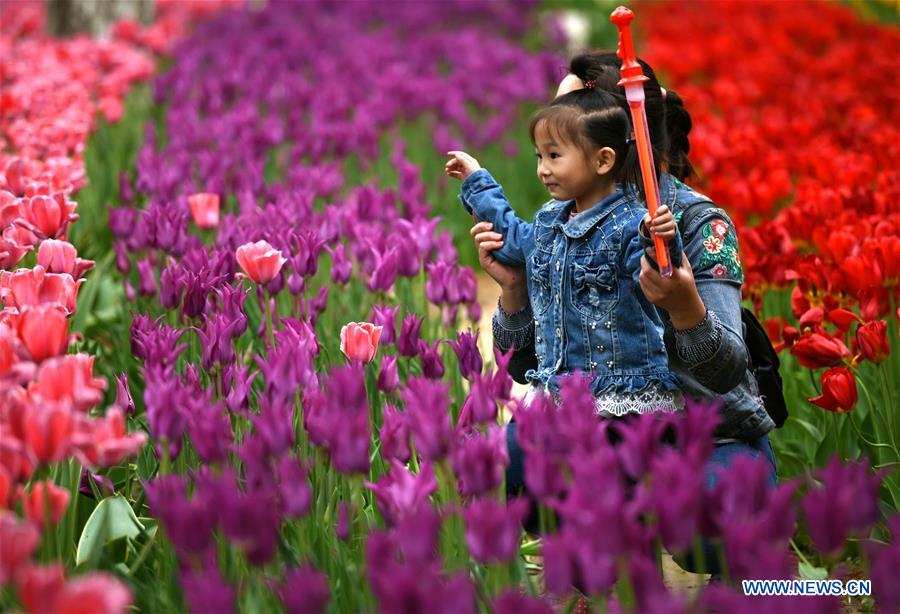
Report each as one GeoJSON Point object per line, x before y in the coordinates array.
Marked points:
{"type": "Point", "coordinates": [720, 254]}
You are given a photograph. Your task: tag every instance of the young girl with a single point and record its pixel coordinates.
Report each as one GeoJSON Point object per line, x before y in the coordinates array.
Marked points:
{"type": "Point", "coordinates": [582, 255]}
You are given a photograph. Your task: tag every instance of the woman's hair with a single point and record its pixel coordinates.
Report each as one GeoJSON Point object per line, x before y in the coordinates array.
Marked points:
{"type": "Point", "coordinates": [591, 119]}
{"type": "Point", "coordinates": [667, 119]}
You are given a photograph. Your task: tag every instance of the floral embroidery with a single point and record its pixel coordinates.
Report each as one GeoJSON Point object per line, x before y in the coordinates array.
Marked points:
{"type": "Point", "coordinates": [719, 228]}
{"type": "Point", "coordinates": [713, 245]}
{"type": "Point", "coordinates": [720, 255]}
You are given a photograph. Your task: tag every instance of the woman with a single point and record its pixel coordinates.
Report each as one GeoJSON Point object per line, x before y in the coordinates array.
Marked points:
{"type": "Point", "coordinates": [700, 304]}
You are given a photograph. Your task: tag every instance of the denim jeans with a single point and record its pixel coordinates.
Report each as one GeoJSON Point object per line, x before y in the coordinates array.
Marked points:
{"type": "Point", "coordinates": [722, 457]}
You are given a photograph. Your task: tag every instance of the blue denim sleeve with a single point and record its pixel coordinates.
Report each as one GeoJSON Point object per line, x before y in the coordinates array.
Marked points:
{"type": "Point", "coordinates": [714, 350]}
{"type": "Point", "coordinates": [482, 196]}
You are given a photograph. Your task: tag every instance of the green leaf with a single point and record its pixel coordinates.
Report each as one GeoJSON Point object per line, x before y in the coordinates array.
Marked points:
{"type": "Point", "coordinates": [112, 519]}
{"type": "Point", "coordinates": [808, 572]}
{"type": "Point", "coordinates": [812, 429]}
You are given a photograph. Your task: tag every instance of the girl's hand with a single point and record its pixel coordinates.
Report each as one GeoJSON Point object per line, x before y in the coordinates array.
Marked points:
{"type": "Point", "coordinates": [511, 279]}
{"type": "Point", "coordinates": [662, 225]}
{"type": "Point", "coordinates": [676, 294]}
{"type": "Point", "coordinates": [461, 165]}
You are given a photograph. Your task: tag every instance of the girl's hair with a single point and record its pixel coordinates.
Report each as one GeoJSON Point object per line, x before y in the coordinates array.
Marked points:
{"type": "Point", "coordinates": [591, 119]}
{"type": "Point", "coordinates": [668, 121]}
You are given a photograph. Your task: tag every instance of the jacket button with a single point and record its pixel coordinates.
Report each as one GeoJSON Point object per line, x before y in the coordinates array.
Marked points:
{"type": "Point", "coordinates": [558, 332]}
{"type": "Point", "coordinates": [557, 265]}
{"type": "Point", "coordinates": [538, 339]}
{"type": "Point", "coordinates": [558, 298]}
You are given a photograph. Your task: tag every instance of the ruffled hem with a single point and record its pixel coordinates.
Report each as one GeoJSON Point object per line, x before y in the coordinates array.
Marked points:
{"type": "Point", "coordinates": [606, 384]}
{"type": "Point", "coordinates": [614, 384]}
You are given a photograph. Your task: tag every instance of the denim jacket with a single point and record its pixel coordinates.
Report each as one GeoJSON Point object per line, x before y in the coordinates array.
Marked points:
{"type": "Point", "coordinates": [590, 314]}
{"type": "Point", "coordinates": [711, 358]}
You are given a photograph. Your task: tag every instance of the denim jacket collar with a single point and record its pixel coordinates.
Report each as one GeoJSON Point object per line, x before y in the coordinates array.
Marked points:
{"type": "Point", "coordinates": [579, 225]}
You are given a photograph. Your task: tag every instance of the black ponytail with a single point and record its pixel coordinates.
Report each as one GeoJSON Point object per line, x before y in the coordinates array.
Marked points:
{"type": "Point", "coordinates": [678, 126]}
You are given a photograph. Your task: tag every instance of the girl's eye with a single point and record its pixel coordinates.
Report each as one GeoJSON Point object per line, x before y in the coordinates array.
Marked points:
{"type": "Point", "coordinates": [554, 156]}
{"type": "Point", "coordinates": [537, 155]}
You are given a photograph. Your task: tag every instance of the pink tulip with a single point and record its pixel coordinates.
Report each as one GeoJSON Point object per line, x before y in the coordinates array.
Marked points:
{"type": "Point", "coordinates": [61, 257]}
{"type": "Point", "coordinates": [43, 331]}
{"type": "Point", "coordinates": [43, 494]}
{"type": "Point", "coordinates": [35, 286]}
{"type": "Point", "coordinates": [359, 341]}
{"type": "Point", "coordinates": [260, 261]}
{"type": "Point", "coordinates": [205, 209]}
{"type": "Point", "coordinates": [69, 378]}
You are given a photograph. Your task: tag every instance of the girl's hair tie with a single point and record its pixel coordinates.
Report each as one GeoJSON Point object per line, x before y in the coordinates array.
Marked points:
{"type": "Point", "coordinates": [628, 141]}
{"type": "Point", "coordinates": [590, 84]}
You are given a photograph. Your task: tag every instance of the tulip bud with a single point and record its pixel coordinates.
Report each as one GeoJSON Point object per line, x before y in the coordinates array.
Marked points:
{"type": "Point", "coordinates": [871, 338]}
{"type": "Point", "coordinates": [839, 393]}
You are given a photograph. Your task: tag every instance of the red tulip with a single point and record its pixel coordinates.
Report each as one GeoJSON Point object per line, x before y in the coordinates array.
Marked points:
{"type": "Point", "coordinates": [205, 209]}
{"type": "Point", "coordinates": [42, 497]}
{"type": "Point", "coordinates": [35, 286]}
{"type": "Point", "coordinates": [843, 318]}
{"type": "Point", "coordinates": [61, 257]}
{"type": "Point", "coordinates": [816, 350]}
{"type": "Point", "coordinates": [47, 430]}
{"type": "Point", "coordinates": [871, 338]}
{"type": "Point", "coordinates": [43, 331]}
{"type": "Point", "coordinates": [18, 540]}
{"type": "Point", "coordinates": [359, 341]}
{"type": "Point", "coordinates": [97, 592]}
{"type": "Point", "coordinates": [49, 216]}
{"type": "Point", "coordinates": [69, 378]}
{"type": "Point", "coordinates": [103, 442]}
{"type": "Point", "coordinates": [812, 318]}
{"type": "Point", "coordinates": [260, 261]}
{"type": "Point", "coordinates": [40, 587]}
{"type": "Point", "coordinates": [839, 392]}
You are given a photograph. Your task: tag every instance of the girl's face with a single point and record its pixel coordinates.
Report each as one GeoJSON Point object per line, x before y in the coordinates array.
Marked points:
{"type": "Point", "coordinates": [567, 171]}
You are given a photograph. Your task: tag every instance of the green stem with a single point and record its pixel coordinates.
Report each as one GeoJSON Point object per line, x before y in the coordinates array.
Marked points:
{"type": "Point", "coordinates": [270, 334]}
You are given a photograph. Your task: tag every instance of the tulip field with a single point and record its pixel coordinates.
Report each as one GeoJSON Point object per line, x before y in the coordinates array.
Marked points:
{"type": "Point", "coordinates": [243, 361]}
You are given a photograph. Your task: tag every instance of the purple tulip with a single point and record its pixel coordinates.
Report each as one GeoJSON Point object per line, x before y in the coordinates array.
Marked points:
{"type": "Point", "coordinates": [467, 354]}
{"type": "Point", "coordinates": [400, 492]}
{"type": "Point", "coordinates": [512, 601]}
{"type": "Point", "coordinates": [493, 529]}
{"type": "Point", "coordinates": [846, 504]}
{"type": "Point", "coordinates": [210, 430]}
{"type": "Point", "coordinates": [394, 435]}
{"type": "Point", "coordinates": [385, 272]}
{"type": "Point", "coordinates": [432, 364]}
{"type": "Point", "coordinates": [251, 522]}
{"type": "Point", "coordinates": [408, 340]}
{"type": "Point", "coordinates": [388, 379]}
{"type": "Point", "coordinates": [479, 461]}
{"type": "Point", "coordinates": [344, 521]}
{"type": "Point", "coordinates": [885, 560]}
{"type": "Point", "coordinates": [479, 406]}
{"type": "Point", "coordinates": [206, 590]}
{"type": "Point", "coordinates": [146, 278]}
{"type": "Point", "coordinates": [293, 487]}
{"type": "Point", "coordinates": [305, 591]}
{"type": "Point", "coordinates": [341, 267]}
{"type": "Point", "coordinates": [427, 408]}
{"type": "Point", "coordinates": [216, 339]}
{"type": "Point", "coordinates": [436, 286]}
{"type": "Point", "coordinates": [123, 394]}
{"type": "Point", "coordinates": [385, 316]}
{"type": "Point", "coordinates": [677, 498]}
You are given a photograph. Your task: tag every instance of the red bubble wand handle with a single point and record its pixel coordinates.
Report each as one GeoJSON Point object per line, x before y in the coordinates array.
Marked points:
{"type": "Point", "coordinates": [633, 81]}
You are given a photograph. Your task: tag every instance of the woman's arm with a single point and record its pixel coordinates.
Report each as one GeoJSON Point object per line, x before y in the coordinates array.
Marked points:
{"type": "Point", "coordinates": [513, 321]}
{"type": "Point", "coordinates": [705, 313]}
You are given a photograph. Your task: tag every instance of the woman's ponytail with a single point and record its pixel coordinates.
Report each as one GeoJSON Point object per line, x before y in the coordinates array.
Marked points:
{"type": "Point", "coordinates": [678, 126]}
